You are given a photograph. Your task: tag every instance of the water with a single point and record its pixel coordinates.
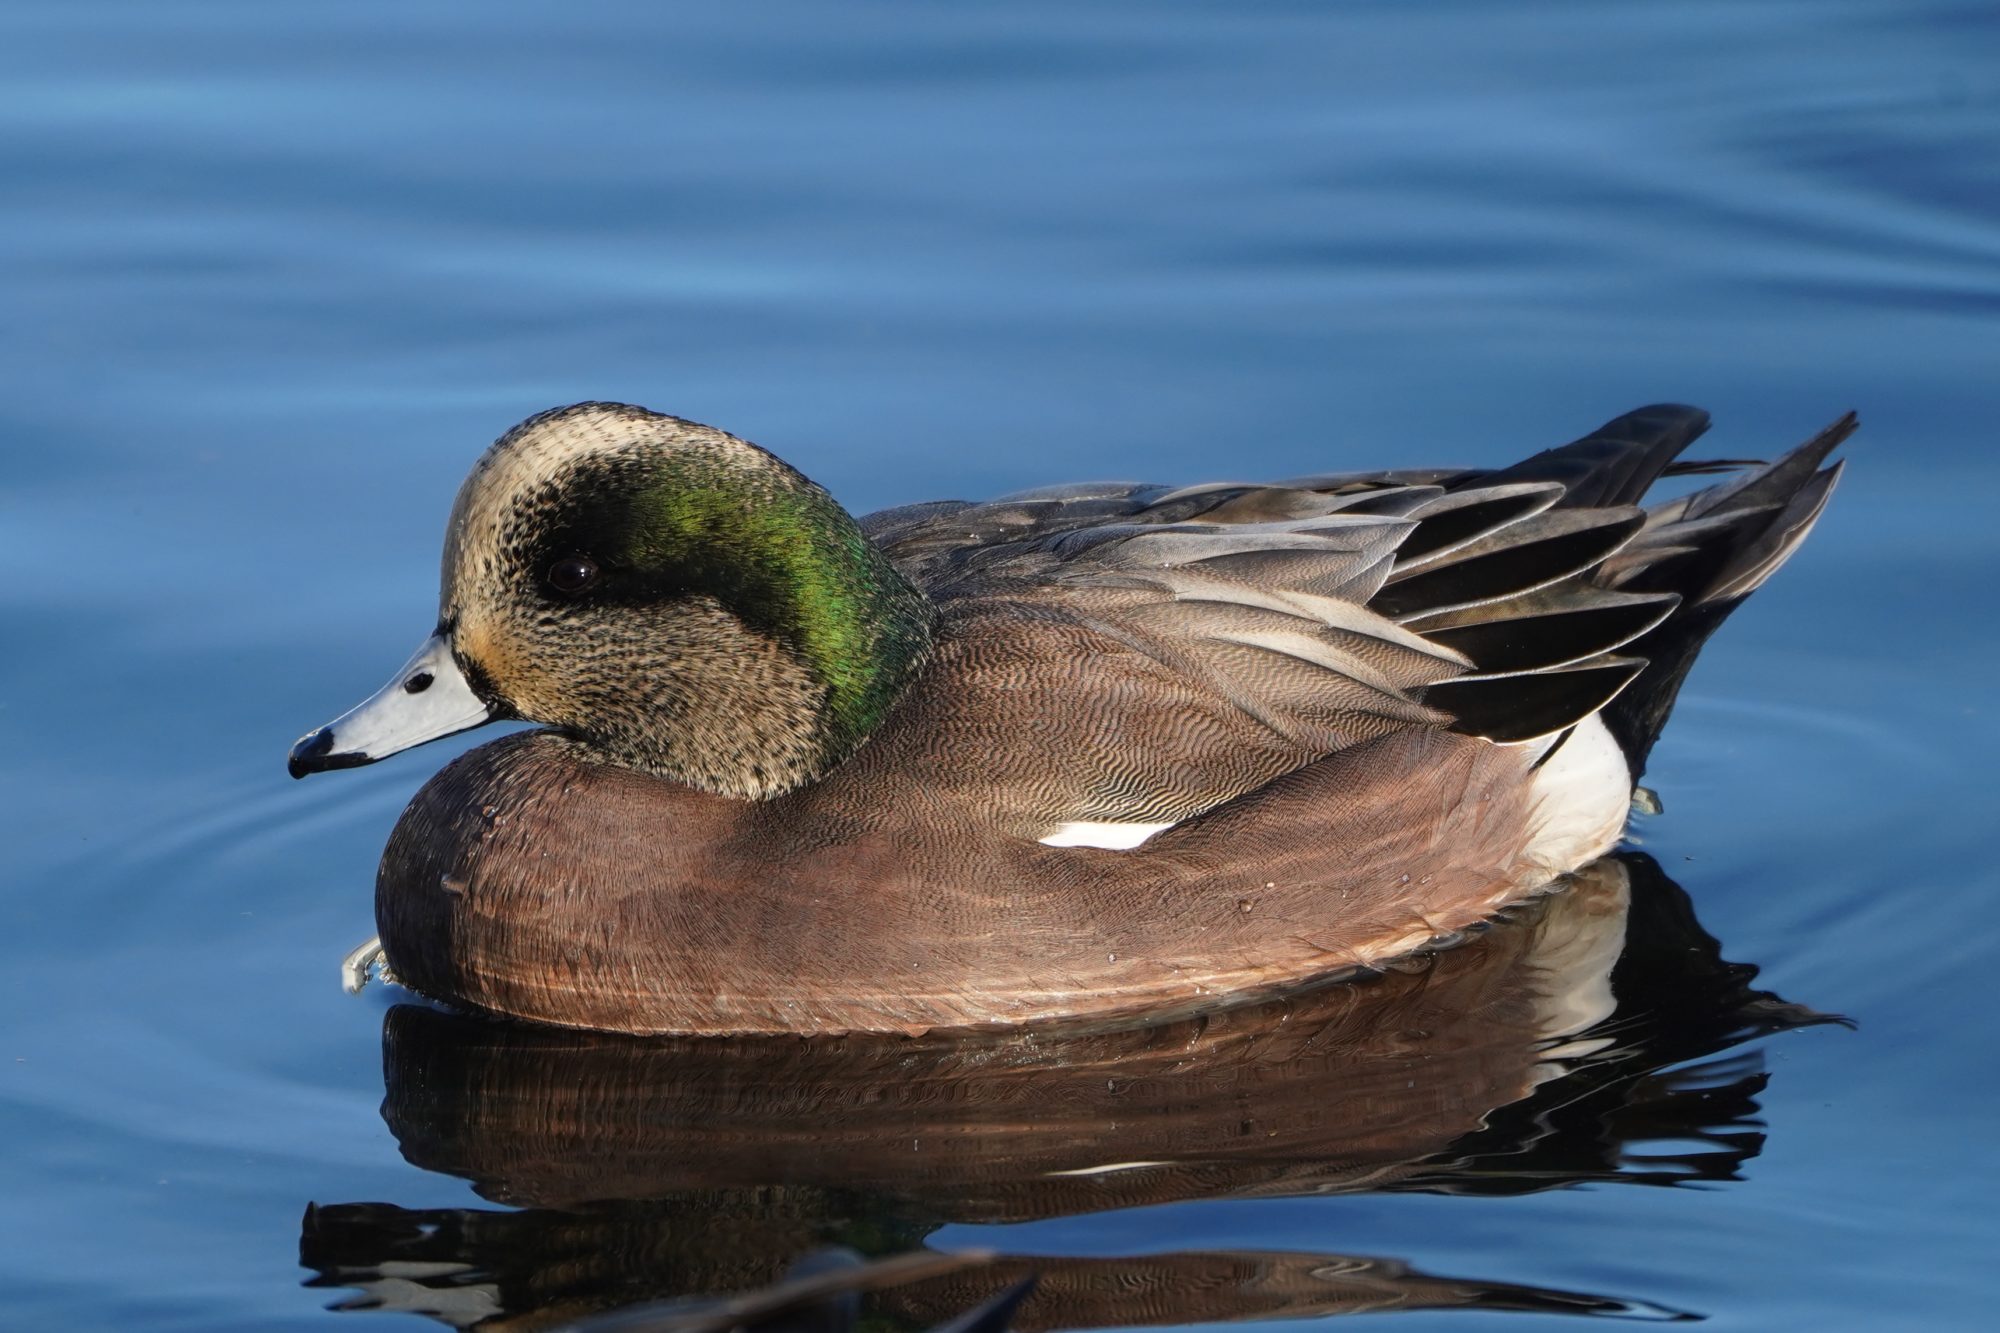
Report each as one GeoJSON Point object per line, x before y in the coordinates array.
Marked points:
{"type": "Point", "coordinates": [274, 275]}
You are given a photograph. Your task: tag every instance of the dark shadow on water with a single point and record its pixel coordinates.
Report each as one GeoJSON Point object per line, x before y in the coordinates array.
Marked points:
{"type": "Point", "coordinates": [1549, 1051]}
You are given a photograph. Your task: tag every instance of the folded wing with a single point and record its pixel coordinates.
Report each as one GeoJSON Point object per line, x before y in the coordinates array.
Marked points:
{"type": "Point", "coordinates": [1508, 604]}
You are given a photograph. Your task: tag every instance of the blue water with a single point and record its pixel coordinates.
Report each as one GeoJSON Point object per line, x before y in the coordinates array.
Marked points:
{"type": "Point", "coordinates": [271, 276]}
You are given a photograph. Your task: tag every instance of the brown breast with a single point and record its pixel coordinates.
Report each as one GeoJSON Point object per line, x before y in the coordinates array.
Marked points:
{"type": "Point", "coordinates": [527, 881]}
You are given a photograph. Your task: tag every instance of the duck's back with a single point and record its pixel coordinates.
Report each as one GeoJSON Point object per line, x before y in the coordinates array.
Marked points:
{"type": "Point", "coordinates": [1115, 658]}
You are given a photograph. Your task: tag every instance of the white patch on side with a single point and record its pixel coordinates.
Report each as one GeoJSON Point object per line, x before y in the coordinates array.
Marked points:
{"type": "Point", "coordinates": [1581, 798]}
{"type": "Point", "coordinates": [1107, 1169]}
{"type": "Point", "coordinates": [1116, 837]}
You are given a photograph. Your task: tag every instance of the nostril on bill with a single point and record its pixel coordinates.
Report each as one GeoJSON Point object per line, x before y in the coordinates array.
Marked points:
{"type": "Point", "coordinates": [418, 682]}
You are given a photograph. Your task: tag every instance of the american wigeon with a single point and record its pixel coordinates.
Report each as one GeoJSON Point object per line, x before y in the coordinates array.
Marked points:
{"type": "Point", "coordinates": [1084, 752]}
{"type": "Point", "coordinates": [1570, 1043]}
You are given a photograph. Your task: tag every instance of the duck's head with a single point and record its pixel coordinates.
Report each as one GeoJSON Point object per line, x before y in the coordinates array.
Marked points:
{"type": "Point", "coordinates": [677, 599]}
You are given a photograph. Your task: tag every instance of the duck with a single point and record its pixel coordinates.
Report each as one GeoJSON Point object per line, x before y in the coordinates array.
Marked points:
{"type": "Point", "coordinates": [1085, 754]}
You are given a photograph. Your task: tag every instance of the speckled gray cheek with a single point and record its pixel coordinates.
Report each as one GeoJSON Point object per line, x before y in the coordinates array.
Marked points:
{"type": "Point", "coordinates": [709, 684]}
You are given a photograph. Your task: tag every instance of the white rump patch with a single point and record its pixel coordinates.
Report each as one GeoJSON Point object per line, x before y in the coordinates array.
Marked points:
{"type": "Point", "coordinates": [1116, 837]}
{"type": "Point", "coordinates": [1582, 796]}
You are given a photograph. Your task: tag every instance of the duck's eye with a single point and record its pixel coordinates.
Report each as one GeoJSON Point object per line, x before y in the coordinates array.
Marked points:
{"type": "Point", "coordinates": [573, 574]}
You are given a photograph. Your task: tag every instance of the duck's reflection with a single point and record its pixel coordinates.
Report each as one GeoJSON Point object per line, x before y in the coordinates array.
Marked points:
{"type": "Point", "coordinates": [1529, 1057]}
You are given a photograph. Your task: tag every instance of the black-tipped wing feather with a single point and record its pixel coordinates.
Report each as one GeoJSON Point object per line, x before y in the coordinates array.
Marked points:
{"type": "Point", "coordinates": [1525, 555]}
{"type": "Point", "coordinates": [1616, 463]}
{"type": "Point", "coordinates": [1553, 628]}
{"type": "Point", "coordinates": [1509, 604]}
{"type": "Point", "coordinates": [1532, 704]}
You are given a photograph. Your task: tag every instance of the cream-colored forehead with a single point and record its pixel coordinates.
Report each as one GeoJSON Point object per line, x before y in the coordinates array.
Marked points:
{"type": "Point", "coordinates": [543, 447]}
{"type": "Point", "coordinates": [536, 456]}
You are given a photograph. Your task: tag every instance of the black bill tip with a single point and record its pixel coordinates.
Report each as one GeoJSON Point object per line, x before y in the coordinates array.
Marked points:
{"type": "Point", "coordinates": [314, 754]}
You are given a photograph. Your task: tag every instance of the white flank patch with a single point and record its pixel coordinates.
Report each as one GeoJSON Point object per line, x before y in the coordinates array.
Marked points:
{"type": "Point", "coordinates": [1107, 1169]}
{"type": "Point", "coordinates": [1116, 837]}
{"type": "Point", "coordinates": [1582, 796]}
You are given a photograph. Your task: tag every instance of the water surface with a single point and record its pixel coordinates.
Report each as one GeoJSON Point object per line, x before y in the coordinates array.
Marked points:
{"type": "Point", "coordinates": [274, 275]}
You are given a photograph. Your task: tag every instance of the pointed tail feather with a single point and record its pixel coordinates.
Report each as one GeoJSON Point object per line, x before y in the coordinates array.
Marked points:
{"type": "Point", "coordinates": [1570, 600]}
{"type": "Point", "coordinates": [1713, 548]}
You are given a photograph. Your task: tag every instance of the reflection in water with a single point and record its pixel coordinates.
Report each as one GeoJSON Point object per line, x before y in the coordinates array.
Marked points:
{"type": "Point", "coordinates": [1545, 1052]}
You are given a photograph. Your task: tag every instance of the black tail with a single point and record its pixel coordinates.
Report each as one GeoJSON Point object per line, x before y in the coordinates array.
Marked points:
{"type": "Point", "coordinates": [1570, 599]}
{"type": "Point", "coordinates": [1714, 548]}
